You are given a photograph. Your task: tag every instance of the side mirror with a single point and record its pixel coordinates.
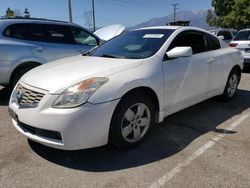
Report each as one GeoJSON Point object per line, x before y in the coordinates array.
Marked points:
{"type": "Point", "coordinates": [179, 52]}
{"type": "Point", "coordinates": [221, 37]}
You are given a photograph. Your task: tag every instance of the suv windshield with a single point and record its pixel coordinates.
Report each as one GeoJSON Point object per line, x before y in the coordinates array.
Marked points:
{"type": "Point", "coordinates": [243, 35]}
{"type": "Point", "coordinates": [138, 44]}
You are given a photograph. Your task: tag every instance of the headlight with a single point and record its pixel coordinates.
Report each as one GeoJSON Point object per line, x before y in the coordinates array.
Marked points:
{"type": "Point", "coordinates": [78, 94]}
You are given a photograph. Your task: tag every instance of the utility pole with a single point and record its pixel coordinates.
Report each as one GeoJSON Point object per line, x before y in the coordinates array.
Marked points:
{"type": "Point", "coordinates": [175, 9]}
{"type": "Point", "coordinates": [70, 11]}
{"type": "Point", "coordinates": [88, 19]}
{"type": "Point", "coordinates": [93, 11]}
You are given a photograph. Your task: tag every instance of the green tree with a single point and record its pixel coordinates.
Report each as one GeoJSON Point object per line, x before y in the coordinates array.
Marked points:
{"type": "Point", "coordinates": [26, 13]}
{"type": "Point", "coordinates": [212, 19]}
{"type": "Point", "coordinates": [9, 13]}
{"type": "Point", "coordinates": [230, 14]}
{"type": "Point", "coordinates": [222, 7]}
{"type": "Point", "coordinates": [239, 17]}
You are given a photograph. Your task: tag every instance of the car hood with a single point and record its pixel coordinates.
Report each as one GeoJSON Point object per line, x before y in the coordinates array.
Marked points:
{"type": "Point", "coordinates": [109, 32]}
{"type": "Point", "coordinates": [55, 77]}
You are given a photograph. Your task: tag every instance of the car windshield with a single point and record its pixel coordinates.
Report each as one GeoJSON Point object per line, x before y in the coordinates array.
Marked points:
{"type": "Point", "coordinates": [243, 35]}
{"type": "Point", "coordinates": [138, 44]}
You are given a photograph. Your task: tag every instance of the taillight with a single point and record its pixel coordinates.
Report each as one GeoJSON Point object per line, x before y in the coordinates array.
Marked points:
{"type": "Point", "coordinates": [233, 44]}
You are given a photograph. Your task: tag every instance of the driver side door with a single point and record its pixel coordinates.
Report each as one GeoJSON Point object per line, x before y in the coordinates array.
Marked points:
{"type": "Point", "coordinates": [187, 78]}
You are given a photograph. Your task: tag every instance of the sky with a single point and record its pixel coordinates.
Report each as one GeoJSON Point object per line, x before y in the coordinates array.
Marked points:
{"type": "Point", "coordinates": [126, 12]}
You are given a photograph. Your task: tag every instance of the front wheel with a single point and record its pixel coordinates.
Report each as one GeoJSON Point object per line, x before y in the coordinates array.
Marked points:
{"type": "Point", "coordinates": [19, 72]}
{"type": "Point", "coordinates": [131, 121]}
{"type": "Point", "coordinates": [231, 86]}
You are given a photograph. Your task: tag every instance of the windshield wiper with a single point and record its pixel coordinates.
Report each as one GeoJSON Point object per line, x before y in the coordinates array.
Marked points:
{"type": "Point", "coordinates": [86, 53]}
{"type": "Point", "coordinates": [112, 56]}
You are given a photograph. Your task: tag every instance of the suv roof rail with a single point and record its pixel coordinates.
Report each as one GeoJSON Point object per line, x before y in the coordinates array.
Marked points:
{"type": "Point", "coordinates": [23, 18]}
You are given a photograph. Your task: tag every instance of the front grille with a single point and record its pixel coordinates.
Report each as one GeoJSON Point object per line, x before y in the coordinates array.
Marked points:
{"type": "Point", "coordinates": [27, 97]}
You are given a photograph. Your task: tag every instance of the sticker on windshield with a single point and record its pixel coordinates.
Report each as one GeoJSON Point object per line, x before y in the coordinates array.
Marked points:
{"type": "Point", "coordinates": [153, 36]}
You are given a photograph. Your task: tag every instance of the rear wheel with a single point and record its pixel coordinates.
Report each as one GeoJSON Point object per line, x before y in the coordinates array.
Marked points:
{"type": "Point", "coordinates": [231, 86]}
{"type": "Point", "coordinates": [131, 121]}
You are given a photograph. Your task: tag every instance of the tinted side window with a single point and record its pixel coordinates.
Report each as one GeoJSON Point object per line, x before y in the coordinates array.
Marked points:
{"type": "Point", "coordinates": [36, 33]}
{"type": "Point", "coordinates": [50, 33]}
{"type": "Point", "coordinates": [213, 42]}
{"type": "Point", "coordinates": [243, 35]}
{"type": "Point", "coordinates": [191, 38]}
{"type": "Point", "coordinates": [226, 34]}
{"type": "Point", "coordinates": [83, 37]}
{"type": "Point", "coordinates": [58, 34]}
{"type": "Point", "coordinates": [18, 31]}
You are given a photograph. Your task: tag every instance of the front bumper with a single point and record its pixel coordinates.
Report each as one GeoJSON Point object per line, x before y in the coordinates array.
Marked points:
{"type": "Point", "coordinates": [83, 127]}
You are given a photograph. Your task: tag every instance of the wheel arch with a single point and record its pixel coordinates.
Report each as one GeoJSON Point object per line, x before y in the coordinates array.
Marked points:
{"type": "Point", "coordinates": [31, 64]}
{"type": "Point", "coordinates": [131, 97]}
{"type": "Point", "coordinates": [149, 92]}
{"type": "Point", "coordinates": [238, 69]}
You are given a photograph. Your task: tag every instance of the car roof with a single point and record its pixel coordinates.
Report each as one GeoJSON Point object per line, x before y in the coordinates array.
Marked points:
{"type": "Point", "coordinates": [247, 29]}
{"type": "Point", "coordinates": [160, 27]}
{"type": "Point", "coordinates": [182, 28]}
{"type": "Point", "coordinates": [223, 29]}
{"type": "Point", "coordinates": [7, 21]}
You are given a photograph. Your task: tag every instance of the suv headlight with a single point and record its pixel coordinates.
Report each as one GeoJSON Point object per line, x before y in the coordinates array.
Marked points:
{"type": "Point", "coordinates": [78, 94]}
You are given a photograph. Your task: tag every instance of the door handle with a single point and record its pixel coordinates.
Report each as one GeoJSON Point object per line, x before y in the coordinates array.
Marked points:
{"type": "Point", "coordinates": [39, 49]}
{"type": "Point", "coordinates": [210, 60]}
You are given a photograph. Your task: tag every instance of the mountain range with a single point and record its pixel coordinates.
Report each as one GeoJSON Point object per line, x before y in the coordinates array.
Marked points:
{"type": "Point", "coordinates": [197, 19]}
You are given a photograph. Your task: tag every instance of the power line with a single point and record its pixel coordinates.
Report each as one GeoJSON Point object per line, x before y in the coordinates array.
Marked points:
{"type": "Point", "coordinates": [142, 4]}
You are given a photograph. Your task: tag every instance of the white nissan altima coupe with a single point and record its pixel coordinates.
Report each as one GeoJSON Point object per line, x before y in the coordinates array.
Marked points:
{"type": "Point", "coordinates": [116, 93]}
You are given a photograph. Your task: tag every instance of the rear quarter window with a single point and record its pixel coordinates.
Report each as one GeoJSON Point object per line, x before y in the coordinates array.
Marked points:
{"type": "Point", "coordinates": [17, 31]}
{"type": "Point", "coordinates": [213, 42]}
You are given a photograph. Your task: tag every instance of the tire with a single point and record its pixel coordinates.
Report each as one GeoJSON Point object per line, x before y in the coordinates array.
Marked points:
{"type": "Point", "coordinates": [231, 86]}
{"type": "Point", "coordinates": [18, 74]}
{"type": "Point", "coordinates": [130, 125]}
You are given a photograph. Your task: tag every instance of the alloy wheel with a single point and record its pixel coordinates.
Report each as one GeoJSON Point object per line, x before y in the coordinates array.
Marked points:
{"type": "Point", "coordinates": [135, 122]}
{"type": "Point", "coordinates": [232, 85]}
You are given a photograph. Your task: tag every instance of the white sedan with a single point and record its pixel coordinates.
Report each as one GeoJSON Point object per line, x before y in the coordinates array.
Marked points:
{"type": "Point", "coordinates": [116, 93]}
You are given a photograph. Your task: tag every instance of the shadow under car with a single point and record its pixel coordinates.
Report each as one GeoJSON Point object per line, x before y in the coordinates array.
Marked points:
{"type": "Point", "coordinates": [166, 139]}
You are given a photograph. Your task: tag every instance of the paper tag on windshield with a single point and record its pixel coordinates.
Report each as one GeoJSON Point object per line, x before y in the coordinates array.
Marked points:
{"type": "Point", "coordinates": [153, 36]}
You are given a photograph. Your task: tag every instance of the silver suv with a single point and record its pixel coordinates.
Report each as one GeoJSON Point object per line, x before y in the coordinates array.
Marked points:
{"type": "Point", "coordinates": [28, 43]}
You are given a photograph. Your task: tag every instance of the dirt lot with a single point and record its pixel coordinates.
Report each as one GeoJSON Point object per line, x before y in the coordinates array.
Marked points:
{"type": "Point", "coordinates": [207, 145]}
